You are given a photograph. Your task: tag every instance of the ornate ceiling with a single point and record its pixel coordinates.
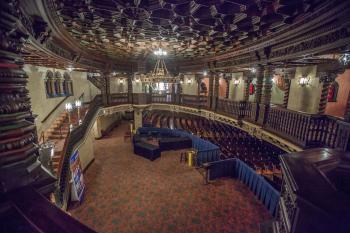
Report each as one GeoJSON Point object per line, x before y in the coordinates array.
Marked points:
{"type": "Point", "coordinates": [185, 28]}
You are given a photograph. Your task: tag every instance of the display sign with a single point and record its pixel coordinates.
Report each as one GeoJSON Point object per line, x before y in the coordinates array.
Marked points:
{"type": "Point", "coordinates": [77, 177]}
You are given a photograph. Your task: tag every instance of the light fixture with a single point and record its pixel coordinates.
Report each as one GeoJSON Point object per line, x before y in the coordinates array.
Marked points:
{"type": "Point", "coordinates": [160, 72]}
{"type": "Point", "coordinates": [205, 73]}
{"type": "Point", "coordinates": [189, 81]}
{"type": "Point", "coordinates": [160, 52]}
{"type": "Point", "coordinates": [236, 82]}
{"type": "Point", "coordinates": [121, 81]}
{"type": "Point", "coordinates": [137, 80]}
{"type": "Point", "coordinates": [304, 81]}
{"type": "Point", "coordinates": [77, 103]}
{"type": "Point", "coordinates": [68, 107]}
{"type": "Point", "coordinates": [114, 73]}
{"type": "Point", "coordinates": [345, 59]}
{"type": "Point", "coordinates": [181, 82]}
{"type": "Point", "coordinates": [70, 68]}
{"type": "Point", "coordinates": [253, 70]}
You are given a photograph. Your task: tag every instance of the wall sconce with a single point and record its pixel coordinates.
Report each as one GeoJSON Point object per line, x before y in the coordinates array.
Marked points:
{"type": "Point", "coordinates": [70, 68]}
{"type": "Point", "coordinates": [236, 82]}
{"type": "Point", "coordinates": [345, 59]}
{"type": "Point", "coordinates": [121, 81]}
{"type": "Point", "coordinates": [304, 81]}
{"type": "Point", "coordinates": [181, 81]}
{"type": "Point", "coordinates": [137, 80]}
{"type": "Point", "coordinates": [253, 70]}
{"type": "Point", "coordinates": [189, 81]}
{"type": "Point", "coordinates": [205, 73]}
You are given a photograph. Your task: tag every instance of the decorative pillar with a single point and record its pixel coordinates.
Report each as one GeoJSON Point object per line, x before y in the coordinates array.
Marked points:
{"type": "Point", "coordinates": [199, 81]}
{"type": "Point", "coordinates": [258, 92]}
{"type": "Point", "coordinates": [247, 80]}
{"type": "Point", "coordinates": [288, 76]}
{"type": "Point", "coordinates": [259, 83]}
{"type": "Point", "coordinates": [210, 91]}
{"type": "Point", "coordinates": [137, 117]}
{"type": "Point", "coordinates": [264, 106]}
{"type": "Point", "coordinates": [228, 80]}
{"type": "Point", "coordinates": [326, 79]}
{"type": "Point", "coordinates": [216, 91]}
{"type": "Point", "coordinates": [19, 166]}
{"type": "Point", "coordinates": [130, 96]}
{"type": "Point", "coordinates": [105, 88]}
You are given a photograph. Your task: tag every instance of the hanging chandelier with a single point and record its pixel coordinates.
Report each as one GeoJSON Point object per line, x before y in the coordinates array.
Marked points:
{"type": "Point", "coordinates": [160, 72]}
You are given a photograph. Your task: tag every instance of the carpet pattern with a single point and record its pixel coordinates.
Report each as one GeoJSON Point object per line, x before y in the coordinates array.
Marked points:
{"type": "Point", "coordinates": [127, 193]}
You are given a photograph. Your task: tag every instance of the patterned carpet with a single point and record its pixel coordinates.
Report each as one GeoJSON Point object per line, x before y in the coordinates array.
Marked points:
{"type": "Point", "coordinates": [127, 193]}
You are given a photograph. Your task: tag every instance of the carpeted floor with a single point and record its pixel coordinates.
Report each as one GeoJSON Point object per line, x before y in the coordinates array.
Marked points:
{"type": "Point", "coordinates": [127, 193]}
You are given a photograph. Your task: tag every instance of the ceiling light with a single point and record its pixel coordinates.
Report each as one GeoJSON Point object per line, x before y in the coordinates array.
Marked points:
{"type": "Point", "coordinates": [253, 70]}
{"type": "Point", "coordinates": [160, 52]}
{"type": "Point", "coordinates": [205, 73]}
{"type": "Point", "coordinates": [236, 82]}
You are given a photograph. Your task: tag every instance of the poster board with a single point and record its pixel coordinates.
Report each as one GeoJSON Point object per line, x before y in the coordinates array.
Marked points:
{"type": "Point", "coordinates": [77, 177]}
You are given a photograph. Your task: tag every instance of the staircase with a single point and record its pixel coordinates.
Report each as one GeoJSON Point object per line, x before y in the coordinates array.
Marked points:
{"type": "Point", "coordinates": [58, 133]}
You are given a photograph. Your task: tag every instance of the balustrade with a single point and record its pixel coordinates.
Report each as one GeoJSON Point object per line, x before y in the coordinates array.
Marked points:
{"type": "Point", "coordinates": [306, 130]}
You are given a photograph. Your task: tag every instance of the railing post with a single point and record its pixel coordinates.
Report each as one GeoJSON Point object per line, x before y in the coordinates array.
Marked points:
{"type": "Point", "coordinates": [265, 105]}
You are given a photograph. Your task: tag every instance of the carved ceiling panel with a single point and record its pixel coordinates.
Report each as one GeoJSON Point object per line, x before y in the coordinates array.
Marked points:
{"type": "Point", "coordinates": [185, 28]}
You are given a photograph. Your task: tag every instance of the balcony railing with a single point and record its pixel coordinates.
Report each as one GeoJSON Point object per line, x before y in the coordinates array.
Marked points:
{"type": "Point", "coordinates": [306, 130]}
{"type": "Point", "coordinates": [302, 129]}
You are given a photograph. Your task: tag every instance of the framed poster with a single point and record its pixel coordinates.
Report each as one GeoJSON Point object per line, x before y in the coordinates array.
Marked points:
{"type": "Point", "coordinates": [77, 177]}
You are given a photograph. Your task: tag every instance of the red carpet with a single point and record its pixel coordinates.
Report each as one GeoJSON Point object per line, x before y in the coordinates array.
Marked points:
{"type": "Point", "coordinates": [127, 193]}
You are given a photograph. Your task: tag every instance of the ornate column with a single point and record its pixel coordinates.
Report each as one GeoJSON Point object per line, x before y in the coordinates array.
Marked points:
{"type": "Point", "coordinates": [247, 80]}
{"type": "Point", "coordinates": [326, 78]}
{"type": "Point", "coordinates": [199, 81]}
{"type": "Point", "coordinates": [18, 151]}
{"type": "Point", "coordinates": [258, 92]}
{"type": "Point", "coordinates": [259, 83]}
{"type": "Point", "coordinates": [105, 88]}
{"type": "Point", "coordinates": [210, 89]}
{"type": "Point", "coordinates": [288, 76]}
{"type": "Point", "coordinates": [216, 91]}
{"type": "Point", "coordinates": [129, 80]}
{"type": "Point", "coordinates": [228, 80]}
{"type": "Point", "coordinates": [264, 106]}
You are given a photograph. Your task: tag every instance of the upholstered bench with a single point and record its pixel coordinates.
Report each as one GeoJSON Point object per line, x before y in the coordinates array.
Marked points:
{"type": "Point", "coordinates": [147, 150]}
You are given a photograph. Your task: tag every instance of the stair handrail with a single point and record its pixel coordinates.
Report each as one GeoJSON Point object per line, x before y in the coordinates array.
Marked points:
{"type": "Point", "coordinates": [73, 139]}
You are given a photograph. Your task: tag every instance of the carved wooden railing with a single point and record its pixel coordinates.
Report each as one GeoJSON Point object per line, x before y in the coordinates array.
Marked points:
{"type": "Point", "coordinates": [305, 130]}
{"type": "Point", "coordinates": [193, 101]}
{"type": "Point", "coordinates": [237, 109]}
{"type": "Point", "coordinates": [74, 138]}
{"type": "Point", "coordinates": [162, 98]}
{"type": "Point", "coordinates": [119, 98]}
